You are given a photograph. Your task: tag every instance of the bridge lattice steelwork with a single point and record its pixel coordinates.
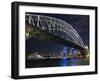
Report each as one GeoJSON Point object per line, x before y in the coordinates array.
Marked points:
{"type": "Point", "coordinates": [55, 26]}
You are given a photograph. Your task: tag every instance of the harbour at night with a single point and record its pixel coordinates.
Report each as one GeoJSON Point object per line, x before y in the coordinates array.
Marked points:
{"type": "Point", "coordinates": [48, 45]}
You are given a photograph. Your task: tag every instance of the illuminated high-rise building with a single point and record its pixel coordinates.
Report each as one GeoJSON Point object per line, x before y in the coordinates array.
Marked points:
{"type": "Point", "coordinates": [64, 52]}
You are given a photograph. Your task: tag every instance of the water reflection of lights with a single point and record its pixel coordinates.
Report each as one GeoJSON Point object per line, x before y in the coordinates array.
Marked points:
{"type": "Point", "coordinates": [64, 59]}
{"type": "Point", "coordinates": [64, 62]}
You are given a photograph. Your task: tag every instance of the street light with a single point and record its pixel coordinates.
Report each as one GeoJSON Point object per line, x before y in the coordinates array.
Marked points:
{"type": "Point", "coordinates": [86, 47]}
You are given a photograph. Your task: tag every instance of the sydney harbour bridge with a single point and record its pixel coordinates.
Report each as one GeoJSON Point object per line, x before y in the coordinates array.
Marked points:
{"type": "Point", "coordinates": [57, 30]}
{"type": "Point", "coordinates": [56, 26]}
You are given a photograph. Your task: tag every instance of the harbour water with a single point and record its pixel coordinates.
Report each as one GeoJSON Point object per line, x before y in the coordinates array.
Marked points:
{"type": "Point", "coordinates": [56, 62]}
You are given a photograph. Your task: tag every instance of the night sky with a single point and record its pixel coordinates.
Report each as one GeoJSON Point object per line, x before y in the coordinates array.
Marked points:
{"type": "Point", "coordinates": [80, 24]}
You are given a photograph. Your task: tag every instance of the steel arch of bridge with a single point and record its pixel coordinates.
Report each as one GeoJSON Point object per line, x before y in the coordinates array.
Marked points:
{"type": "Point", "coordinates": [53, 25]}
